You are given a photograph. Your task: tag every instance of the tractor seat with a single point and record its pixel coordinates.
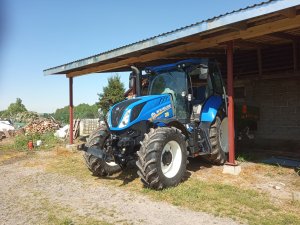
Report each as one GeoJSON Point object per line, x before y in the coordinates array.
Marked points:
{"type": "Point", "coordinates": [199, 96]}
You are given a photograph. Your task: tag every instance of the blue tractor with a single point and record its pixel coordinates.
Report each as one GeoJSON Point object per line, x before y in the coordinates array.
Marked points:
{"type": "Point", "coordinates": [184, 115]}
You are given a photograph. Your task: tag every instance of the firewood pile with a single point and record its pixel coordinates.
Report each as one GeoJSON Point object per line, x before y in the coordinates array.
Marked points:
{"type": "Point", "coordinates": [42, 125]}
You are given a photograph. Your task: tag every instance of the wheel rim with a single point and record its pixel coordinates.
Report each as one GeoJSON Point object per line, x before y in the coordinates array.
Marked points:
{"type": "Point", "coordinates": [171, 158]}
{"type": "Point", "coordinates": [111, 163]}
{"type": "Point", "coordinates": [223, 135]}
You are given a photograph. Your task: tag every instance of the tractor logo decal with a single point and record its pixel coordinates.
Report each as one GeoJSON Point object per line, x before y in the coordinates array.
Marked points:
{"type": "Point", "coordinates": [160, 111]}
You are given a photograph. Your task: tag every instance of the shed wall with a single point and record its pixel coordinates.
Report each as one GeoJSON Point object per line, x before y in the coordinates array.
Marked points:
{"type": "Point", "coordinates": [279, 104]}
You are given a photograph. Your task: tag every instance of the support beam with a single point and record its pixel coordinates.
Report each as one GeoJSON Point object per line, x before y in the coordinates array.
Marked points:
{"type": "Point", "coordinates": [289, 13]}
{"type": "Point", "coordinates": [231, 143]}
{"type": "Point", "coordinates": [250, 44]}
{"type": "Point", "coordinates": [285, 36]}
{"type": "Point", "coordinates": [238, 26]}
{"type": "Point", "coordinates": [71, 109]}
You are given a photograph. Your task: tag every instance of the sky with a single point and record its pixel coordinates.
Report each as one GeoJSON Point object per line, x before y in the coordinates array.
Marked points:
{"type": "Point", "coordinates": [39, 34]}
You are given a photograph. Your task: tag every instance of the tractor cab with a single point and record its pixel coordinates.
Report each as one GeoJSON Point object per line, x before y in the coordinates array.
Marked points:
{"type": "Point", "coordinates": [190, 83]}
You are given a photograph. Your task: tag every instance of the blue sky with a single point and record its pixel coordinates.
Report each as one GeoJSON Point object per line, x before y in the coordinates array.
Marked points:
{"type": "Point", "coordinates": [38, 34]}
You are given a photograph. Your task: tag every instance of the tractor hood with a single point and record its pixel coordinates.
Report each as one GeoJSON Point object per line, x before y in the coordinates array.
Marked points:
{"type": "Point", "coordinates": [131, 111]}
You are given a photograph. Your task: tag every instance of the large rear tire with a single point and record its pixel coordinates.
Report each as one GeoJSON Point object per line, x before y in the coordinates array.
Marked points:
{"type": "Point", "coordinates": [99, 167]}
{"type": "Point", "coordinates": [162, 158]}
{"type": "Point", "coordinates": [217, 137]}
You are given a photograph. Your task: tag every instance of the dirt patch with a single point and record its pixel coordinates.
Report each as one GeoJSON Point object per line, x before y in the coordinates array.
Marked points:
{"type": "Point", "coordinates": [276, 181]}
{"type": "Point", "coordinates": [31, 194]}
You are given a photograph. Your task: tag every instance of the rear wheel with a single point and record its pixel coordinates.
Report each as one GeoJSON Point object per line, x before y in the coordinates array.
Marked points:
{"type": "Point", "coordinates": [218, 136]}
{"type": "Point", "coordinates": [98, 166]}
{"type": "Point", "coordinates": [162, 158]}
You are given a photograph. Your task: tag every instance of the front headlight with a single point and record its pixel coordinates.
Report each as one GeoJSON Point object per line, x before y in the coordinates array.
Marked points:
{"type": "Point", "coordinates": [125, 119]}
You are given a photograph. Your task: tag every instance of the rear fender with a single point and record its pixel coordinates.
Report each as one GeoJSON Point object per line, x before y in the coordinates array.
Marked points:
{"type": "Point", "coordinates": [210, 108]}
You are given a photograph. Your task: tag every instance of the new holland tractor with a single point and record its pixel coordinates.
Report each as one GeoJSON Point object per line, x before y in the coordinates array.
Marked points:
{"type": "Point", "coordinates": [184, 115]}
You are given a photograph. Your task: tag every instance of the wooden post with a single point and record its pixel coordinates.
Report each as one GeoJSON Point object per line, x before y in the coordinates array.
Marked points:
{"type": "Point", "coordinates": [231, 143]}
{"type": "Point", "coordinates": [71, 109]}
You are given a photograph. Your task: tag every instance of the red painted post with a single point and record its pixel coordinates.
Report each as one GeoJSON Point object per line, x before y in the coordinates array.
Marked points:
{"type": "Point", "coordinates": [71, 108]}
{"type": "Point", "coordinates": [231, 143]}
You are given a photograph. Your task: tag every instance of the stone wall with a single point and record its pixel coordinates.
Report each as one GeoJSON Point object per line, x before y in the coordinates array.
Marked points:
{"type": "Point", "coordinates": [279, 103]}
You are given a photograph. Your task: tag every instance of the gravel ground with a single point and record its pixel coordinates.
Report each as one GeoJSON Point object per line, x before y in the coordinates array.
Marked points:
{"type": "Point", "coordinates": [28, 195]}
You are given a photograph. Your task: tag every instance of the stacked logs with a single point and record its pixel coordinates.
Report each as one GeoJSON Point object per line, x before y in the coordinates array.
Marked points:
{"type": "Point", "coordinates": [42, 125]}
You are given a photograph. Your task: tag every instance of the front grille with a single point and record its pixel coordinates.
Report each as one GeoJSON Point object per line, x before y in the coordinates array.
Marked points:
{"type": "Point", "coordinates": [118, 111]}
{"type": "Point", "coordinates": [136, 111]}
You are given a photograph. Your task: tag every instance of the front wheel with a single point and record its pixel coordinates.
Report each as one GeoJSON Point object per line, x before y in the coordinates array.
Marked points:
{"type": "Point", "coordinates": [98, 166]}
{"type": "Point", "coordinates": [162, 158]}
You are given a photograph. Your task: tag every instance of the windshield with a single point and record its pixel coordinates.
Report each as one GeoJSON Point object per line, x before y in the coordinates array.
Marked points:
{"type": "Point", "coordinates": [173, 82]}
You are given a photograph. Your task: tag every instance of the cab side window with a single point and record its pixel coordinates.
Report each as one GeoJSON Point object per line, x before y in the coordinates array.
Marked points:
{"type": "Point", "coordinates": [216, 79]}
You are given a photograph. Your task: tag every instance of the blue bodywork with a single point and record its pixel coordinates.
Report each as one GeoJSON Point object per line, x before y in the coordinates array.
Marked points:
{"type": "Point", "coordinates": [210, 108]}
{"type": "Point", "coordinates": [155, 107]}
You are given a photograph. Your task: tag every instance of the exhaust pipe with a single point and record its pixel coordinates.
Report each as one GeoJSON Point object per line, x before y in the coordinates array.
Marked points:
{"type": "Point", "coordinates": [137, 85]}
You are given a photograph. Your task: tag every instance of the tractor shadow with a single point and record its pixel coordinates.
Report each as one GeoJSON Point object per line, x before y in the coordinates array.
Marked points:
{"type": "Point", "coordinates": [129, 174]}
{"type": "Point", "coordinates": [197, 163]}
{"type": "Point", "coordinates": [126, 176]}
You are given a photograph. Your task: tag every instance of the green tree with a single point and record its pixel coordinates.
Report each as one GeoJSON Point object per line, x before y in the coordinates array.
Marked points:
{"type": "Point", "coordinates": [86, 111]}
{"type": "Point", "coordinates": [14, 108]}
{"type": "Point", "coordinates": [82, 111]}
{"type": "Point", "coordinates": [112, 93]}
{"type": "Point", "coordinates": [62, 114]}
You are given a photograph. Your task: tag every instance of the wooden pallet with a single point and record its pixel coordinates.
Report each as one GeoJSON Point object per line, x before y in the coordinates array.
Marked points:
{"type": "Point", "coordinates": [76, 129]}
{"type": "Point", "coordinates": [76, 124]}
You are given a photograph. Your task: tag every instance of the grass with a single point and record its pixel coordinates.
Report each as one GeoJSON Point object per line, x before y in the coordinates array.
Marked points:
{"type": "Point", "coordinates": [20, 142]}
{"type": "Point", "coordinates": [48, 140]}
{"type": "Point", "coordinates": [17, 147]}
{"type": "Point", "coordinates": [245, 157]}
{"type": "Point", "coordinates": [68, 163]}
{"type": "Point", "coordinates": [244, 205]}
{"type": "Point", "coordinates": [297, 170]}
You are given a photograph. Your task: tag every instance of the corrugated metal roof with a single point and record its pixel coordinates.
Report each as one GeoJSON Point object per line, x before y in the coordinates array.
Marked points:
{"type": "Point", "coordinates": [235, 16]}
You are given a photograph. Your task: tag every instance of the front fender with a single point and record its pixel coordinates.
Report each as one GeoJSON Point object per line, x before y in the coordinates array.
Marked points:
{"type": "Point", "coordinates": [171, 122]}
